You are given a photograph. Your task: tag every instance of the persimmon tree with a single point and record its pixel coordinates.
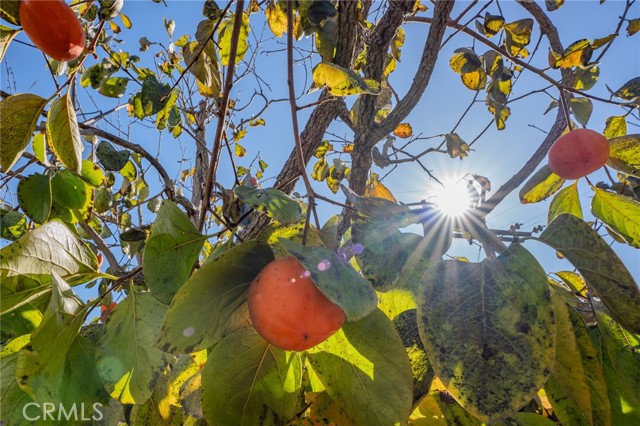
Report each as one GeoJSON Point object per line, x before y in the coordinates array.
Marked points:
{"type": "Point", "coordinates": [89, 202]}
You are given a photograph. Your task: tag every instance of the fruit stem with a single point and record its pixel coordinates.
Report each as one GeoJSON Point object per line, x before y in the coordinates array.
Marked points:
{"type": "Point", "coordinates": [565, 109]}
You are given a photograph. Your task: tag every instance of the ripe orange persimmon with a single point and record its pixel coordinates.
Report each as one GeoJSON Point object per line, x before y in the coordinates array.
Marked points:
{"type": "Point", "coordinates": [578, 153]}
{"type": "Point", "coordinates": [53, 28]}
{"type": "Point", "coordinates": [288, 310]}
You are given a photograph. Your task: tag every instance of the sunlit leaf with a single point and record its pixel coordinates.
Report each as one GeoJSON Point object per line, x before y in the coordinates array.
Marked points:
{"type": "Point", "coordinates": [170, 252]}
{"type": "Point", "coordinates": [17, 406]}
{"type": "Point", "coordinates": [113, 87]}
{"type": "Point", "coordinates": [542, 185]}
{"type": "Point", "coordinates": [624, 154]}
{"type": "Point", "coordinates": [246, 381]}
{"type": "Point", "coordinates": [69, 191]}
{"type": "Point", "coordinates": [599, 265]}
{"type": "Point", "coordinates": [10, 11]}
{"type": "Point", "coordinates": [20, 115]}
{"type": "Point", "coordinates": [34, 197]}
{"type": "Point", "coordinates": [212, 303]}
{"type": "Point", "coordinates": [575, 282]}
{"type": "Point", "coordinates": [465, 60]}
{"type": "Point", "coordinates": [365, 369]}
{"type": "Point", "coordinates": [378, 189]}
{"type": "Point", "coordinates": [615, 126]}
{"type": "Point", "coordinates": [6, 35]}
{"type": "Point", "coordinates": [403, 130]}
{"type": "Point", "coordinates": [633, 26]}
{"type": "Point", "coordinates": [341, 81]}
{"type": "Point", "coordinates": [276, 18]}
{"type": "Point", "coordinates": [518, 35]}
{"type": "Point", "coordinates": [224, 39]}
{"type": "Point", "coordinates": [578, 53]}
{"type": "Point", "coordinates": [336, 279]}
{"type": "Point", "coordinates": [275, 203]}
{"type": "Point", "coordinates": [127, 359]}
{"type": "Point", "coordinates": [566, 201]}
{"type": "Point", "coordinates": [492, 24]}
{"type": "Point", "coordinates": [586, 77]}
{"type": "Point", "coordinates": [619, 212]}
{"type": "Point", "coordinates": [489, 330]}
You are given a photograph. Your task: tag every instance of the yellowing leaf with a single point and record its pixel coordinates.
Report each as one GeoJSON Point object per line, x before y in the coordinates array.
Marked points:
{"type": "Point", "coordinates": [615, 126]}
{"type": "Point", "coordinates": [456, 147]}
{"type": "Point", "coordinates": [348, 148]}
{"type": "Point", "coordinates": [404, 130]}
{"type": "Point", "coordinates": [552, 5]}
{"type": "Point", "coordinates": [475, 80]}
{"type": "Point", "coordinates": [240, 150]}
{"type": "Point", "coordinates": [63, 133]}
{"type": "Point", "coordinates": [465, 60]}
{"type": "Point", "coordinates": [624, 154]}
{"type": "Point", "coordinates": [540, 186]}
{"type": "Point", "coordinates": [20, 115]}
{"type": "Point", "coordinates": [342, 81]}
{"type": "Point", "coordinates": [567, 201]}
{"type": "Point", "coordinates": [633, 26]}
{"type": "Point", "coordinates": [620, 213]}
{"type": "Point", "coordinates": [276, 18]}
{"type": "Point", "coordinates": [578, 53]}
{"type": "Point", "coordinates": [492, 24]}
{"type": "Point", "coordinates": [630, 90]}
{"type": "Point", "coordinates": [378, 189]}
{"type": "Point", "coordinates": [586, 77]}
{"type": "Point", "coordinates": [224, 39]}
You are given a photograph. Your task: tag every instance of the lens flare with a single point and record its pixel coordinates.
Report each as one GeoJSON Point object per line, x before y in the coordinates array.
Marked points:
{"type": "Point", "coordinates": [452, 198]}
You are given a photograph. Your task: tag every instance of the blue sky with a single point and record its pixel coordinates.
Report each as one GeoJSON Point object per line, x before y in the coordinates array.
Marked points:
{"type": "Point", "coordinates": [498, 154]}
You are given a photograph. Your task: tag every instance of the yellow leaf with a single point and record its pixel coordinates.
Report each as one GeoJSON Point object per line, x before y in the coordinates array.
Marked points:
{"type": "Point", "coordinates": [240, 150]}
{"type": "Point", "coordinates": [633, 26]}
{"type": "Point", "coordinates": [276, 18]}
{"type": "Point", "coordinates": [403, 130]}
{"type": "Point", "coordinates": [342, 81]}
{"type": "Point", "coordinates": [377, 189]}
{"type": "Point", "coordinates": [348, 148]}
{"type": "Point", "coordinates": [615, 126]}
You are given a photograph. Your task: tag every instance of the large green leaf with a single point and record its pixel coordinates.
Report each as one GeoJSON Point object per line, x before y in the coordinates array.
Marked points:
{"type": "Point", "coordinates": [49, 248]}
{"type": "Point", "coordinates": [20, 115]}
{"type": "Point", "coordinates": [336, 279]}
{"type": "Point", "coordinates": [620, 356]}
{"type": "Point", "coordinates": [342, 81]}
{"type": "Point", "coordinates": [577, 388]}
{"type": "Point", "coordinates": [63, 133]}
{"type": "Point", "coordinates": [170, 252]}
{"type": "Point", "coordinates": [542, 185]}
{"type": "Point", "coordinates": [599, 265]}
{"type": "Point", "coordinates": [126, 358]}
{"type": "Point", "coordinates": [212, 303]}
{"type": "Point", "coordinates": [489, 330]}
{"type": "Point", "coordinates": [624, 154]}
{"type": "Point", "coordinates": [13, 399]}
{"type": "Point", "coordinates": [246, 381]}
{"type": "Point", "coordinates": [58, 365]}
{"type": "Point", "coordinates": [224, 39]}
{"type": "Point", "coordinates": [365, 369]}
{"type": "Point", "coordinates": [273, 202]}
{"type": "Point", "coordinates": [6, 35]}
{"type": "Point", "coordinates": [567, 201]}
{"type": "Point", "coordinates": [621, 213]}
{"type": "Point", "coordinates": [34, 197]}
{"type": "Point", "coordinates": [70, 191]}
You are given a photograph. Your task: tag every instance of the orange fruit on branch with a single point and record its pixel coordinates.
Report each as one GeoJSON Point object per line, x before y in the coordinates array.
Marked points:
{"type": "Point", "coordinates": [578, 153]}
{"type": "Point", "coordinates": [288, 310]}
{"type": "Point", "coordinates": [53, 28]}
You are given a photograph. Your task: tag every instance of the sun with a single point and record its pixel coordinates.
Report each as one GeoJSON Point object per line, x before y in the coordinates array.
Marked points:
{"type": "Point", "coordinates": [452, 197]}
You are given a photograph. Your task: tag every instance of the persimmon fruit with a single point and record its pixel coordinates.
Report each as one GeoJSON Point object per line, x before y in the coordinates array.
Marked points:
{"type": "Point", "coordinates": [53, 28]}
{"type": "Point", "coordinates": [288, 310]}
{"type": "Point", "coordinates": [578, 153]}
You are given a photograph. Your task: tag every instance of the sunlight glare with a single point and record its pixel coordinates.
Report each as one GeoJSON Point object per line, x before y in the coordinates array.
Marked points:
{"type": "Point", "coordinates": [452, 198]}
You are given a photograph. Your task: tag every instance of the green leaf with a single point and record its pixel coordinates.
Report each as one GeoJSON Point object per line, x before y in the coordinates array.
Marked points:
{"type": "Point", "coordinates": [620, 213]}
{"type": "Point", "coordinates": [576, 388]}
{"type": "Point", "coordinates": [113, 87]}
{"type": "Point", "coordinates": [151, 99]}
{"type": "Point", "coordinates": [211, 304]}
{"type": "Point", "coordinates": [630, 90]}
{"type": "Point", "coordinates": [246, 381]}
{"type": "Point", "coordinates": [224, 39]}
{"type": "Point", "coordinates": [566, 201]}
{"type": "Point", "coordinates": [599, 265]}
{"type": "Point", "coordinates": [20, 115]}
{"type": "Point", "coordinates": [276, 18]}
{"type": "Point", "coordinates": [63, 133]}
{"type": "Point", "coordinates": [582, 109]}
{"type": "Point", "coordinates": [336, 279]}
{"type": "Point", "coordinates": [34, 197]}
{"type": "Point", "coordinates": [170, 252]}
{"type": "Point", "coordinates": [276, 204]}
{"type": "Point", "coordinates": [129, 171]}
{"type": "Point", "coordinates": [13, 400]}
{"type": "Point", "coordinates": [109, 9]}
{"type": "Point", "coordinates": [10, 11]}
{"type": "Point", "coordinates": [341, 81]}
{"type": "Point", "coordinates": [624, 154]}
{"type": "Point", "coordinates": [272, 233]}
{"type": "Point", "coordinates": [489, 330]}
{"type": "Point", "coordinates": [542, 185]}
{"type": "Point", "coordinates": [126, 358]}
{"type": "Point", "coordinates": [50, 248]}
{"type": "Point", "coordinates": [69, 191]}
{"type": "Point", "coordinates": [110, 158]}
{"type": "Point", "coordinates": [6, 35]}
{"type": "Point", "coordinates": [365, 369]}
{"type": "Point", "coordinates": [13, 224]}
{"type": "Point", "coordinates": [40, 148]}
{"type": "Point", "coordinates": [586, 77]}
{"type": "Point", "coordinates": [618, 353]}
{"type": "Point", "coordinates": [615, 126]}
